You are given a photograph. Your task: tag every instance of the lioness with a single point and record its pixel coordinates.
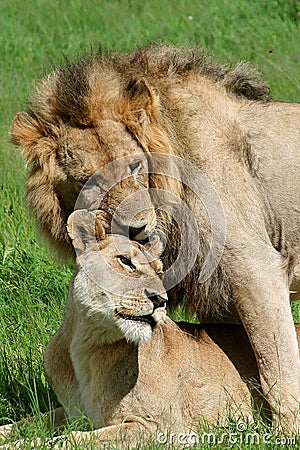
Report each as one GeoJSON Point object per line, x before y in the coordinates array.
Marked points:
{"type": "Point", "coordinates": [133, 371]}
{"type": "Point", "coordinates": [121, 361]}
{"type": "Point", "coordinates": [221, 121]}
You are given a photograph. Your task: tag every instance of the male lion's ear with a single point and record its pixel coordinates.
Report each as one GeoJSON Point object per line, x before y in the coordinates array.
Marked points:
{"type": "Point", "coordinates": [140, 101]}
{"type": "Point", "coordinates": [84, 229]}
{"type": "Point", "coordinates": [25, 132]}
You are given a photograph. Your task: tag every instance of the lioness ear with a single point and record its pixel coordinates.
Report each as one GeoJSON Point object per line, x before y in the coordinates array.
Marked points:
{"type": "Point", "coordinates": [156, 245]}
{"type": "Point", "coordinates": [84, 229]}
{"type": "Point", "coordinates": [141, 101]}
{"type": "Point", "coordinates": [26, 131]}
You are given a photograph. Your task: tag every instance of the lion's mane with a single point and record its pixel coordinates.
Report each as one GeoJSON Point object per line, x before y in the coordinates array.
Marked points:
{"type": "Point", "coordinates": [81, 94]}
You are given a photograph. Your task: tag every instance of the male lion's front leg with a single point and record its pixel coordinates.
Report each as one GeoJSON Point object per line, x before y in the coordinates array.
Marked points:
{"type": "Point", "coordinates": [261, 294]}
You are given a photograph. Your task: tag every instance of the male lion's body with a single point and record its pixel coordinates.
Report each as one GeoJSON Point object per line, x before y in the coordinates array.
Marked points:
{"type": "Point", "coordinates": [174, 101]}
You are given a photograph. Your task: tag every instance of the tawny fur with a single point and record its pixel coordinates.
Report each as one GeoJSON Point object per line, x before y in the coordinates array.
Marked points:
{"type": "Point", "coordinates": [175, 101]}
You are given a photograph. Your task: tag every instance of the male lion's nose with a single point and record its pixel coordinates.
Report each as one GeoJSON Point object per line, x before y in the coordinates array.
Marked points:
{"type": "Point", "coordinates": [137, 234]}
{"type": "Point", "coordinates": [157, 300]}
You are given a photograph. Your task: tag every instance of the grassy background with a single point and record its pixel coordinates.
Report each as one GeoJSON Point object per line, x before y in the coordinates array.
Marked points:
{"type": "Point", "coordinates": [34, 36]}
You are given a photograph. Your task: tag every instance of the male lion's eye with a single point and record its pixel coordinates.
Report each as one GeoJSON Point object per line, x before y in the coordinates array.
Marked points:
{"type": "Point", "coordinates": [69, 154]}
{"type": "Point", "coordinates": [135, 167]}
{"type": "Point", "coordinates": [127, 262]}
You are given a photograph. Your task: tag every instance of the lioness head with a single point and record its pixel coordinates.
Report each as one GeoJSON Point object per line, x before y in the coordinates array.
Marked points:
{"type": "Point", "coordinates": [117, 287]}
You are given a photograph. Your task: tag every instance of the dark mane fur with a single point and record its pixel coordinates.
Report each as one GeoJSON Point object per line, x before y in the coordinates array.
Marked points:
{"type": "Point", "coordinates": [168, 61]}
{"type": "Point", "coordinates": [154, 62]}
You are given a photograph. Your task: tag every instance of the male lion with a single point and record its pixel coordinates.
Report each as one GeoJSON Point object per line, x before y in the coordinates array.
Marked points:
{"type": "Point", "coordinates": [174, 101]}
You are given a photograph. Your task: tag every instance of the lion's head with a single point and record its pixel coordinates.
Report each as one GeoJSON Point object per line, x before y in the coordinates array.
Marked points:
{"type": "Point", "coordinates": [117, 286]}
{"type": "Point", "coordinates": [111, 106]}
{"type": "Point", "coordinates": [66, 151]}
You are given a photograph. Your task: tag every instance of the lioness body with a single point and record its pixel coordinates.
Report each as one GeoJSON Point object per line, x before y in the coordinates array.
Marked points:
{"type": "Point", "coordinates": [186, 374]}
{"type": "Point", "coordinates": [170, 383]}
{"type": "Point", "coordinates": [104, 363]}
{"type": "Point", "coordinates": [173, 101]}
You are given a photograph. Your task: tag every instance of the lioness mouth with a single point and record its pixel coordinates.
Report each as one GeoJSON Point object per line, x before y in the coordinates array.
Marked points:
{"type": "Point", "coordinates": [146, 319]}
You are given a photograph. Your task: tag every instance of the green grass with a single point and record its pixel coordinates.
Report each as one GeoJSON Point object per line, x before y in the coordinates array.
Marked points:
{"type": "Point", "coordinates": [37, 34]}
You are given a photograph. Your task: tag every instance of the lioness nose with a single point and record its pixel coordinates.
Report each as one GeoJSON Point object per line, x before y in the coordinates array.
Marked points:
{"type": "Point", "coordinates": [157, 300]}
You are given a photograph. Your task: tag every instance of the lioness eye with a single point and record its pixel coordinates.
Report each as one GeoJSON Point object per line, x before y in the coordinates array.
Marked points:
{"type": "Point", "coordinates": [135, 167]}
{"type": "Point", "coordinates": [127, 262]}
